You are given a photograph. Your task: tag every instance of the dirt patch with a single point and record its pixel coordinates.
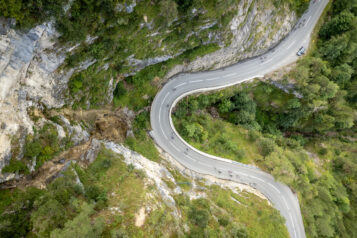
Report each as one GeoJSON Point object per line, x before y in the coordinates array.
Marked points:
{"type": "Point", "coordinates": [140, 217]}
{"type": "Point", "coordinates": [51, 169]}
{"type": "Point", "coordinates": [103, 124]}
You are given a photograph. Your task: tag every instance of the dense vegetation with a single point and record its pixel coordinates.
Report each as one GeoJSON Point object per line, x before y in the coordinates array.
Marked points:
{"type": "Point", "coordinates": [101, 200]}
{"type": "Point", "coordinates": [301, 129]}
{"type": "Point", "coordinates": [261, 123]}
{"type": "Point", "coordinates": [43, 145]}
{"type": "Point", "coordinates": [111, 32]}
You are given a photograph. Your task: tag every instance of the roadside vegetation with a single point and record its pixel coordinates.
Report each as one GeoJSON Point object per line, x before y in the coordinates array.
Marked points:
{"type": "Point", "coordinates": [40, 147]}
{"type": "Point", "coordinates": [112, 35]}
{"type": "Point", "coordinates": [302, 128]}
{"type": "Point", "coordinates": [101, 200]}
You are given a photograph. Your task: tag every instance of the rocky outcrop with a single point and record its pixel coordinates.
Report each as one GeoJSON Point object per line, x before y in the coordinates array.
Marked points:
{"type": "Point", "coordinates": [257, 27]}
{"type": "Point", "coordinates": [153, 170]}
{"type": "Point", "coordinates": [91, 154]}
{"type": "Point", "coordinates": [30, 75]}
{"type": "Point", "coordinates": [28, 78]}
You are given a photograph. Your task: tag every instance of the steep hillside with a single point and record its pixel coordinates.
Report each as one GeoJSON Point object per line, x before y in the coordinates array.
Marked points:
{"type": "Point", "coordinates": [299, 124]}
{"type": "Point", "coordinates": [89, 54]}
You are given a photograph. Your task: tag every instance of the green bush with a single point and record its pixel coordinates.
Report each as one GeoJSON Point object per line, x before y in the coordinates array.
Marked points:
{"type": "Point", "coordinates": [16, 166]}
{"type": "Point", "coordinates": [223, 221]}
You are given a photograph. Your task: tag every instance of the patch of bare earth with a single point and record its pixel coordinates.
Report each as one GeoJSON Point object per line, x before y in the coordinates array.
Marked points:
{"type": "Point", "coordinates": [140, 217]}
{"type": "Point", "coordinates": [104, 124]}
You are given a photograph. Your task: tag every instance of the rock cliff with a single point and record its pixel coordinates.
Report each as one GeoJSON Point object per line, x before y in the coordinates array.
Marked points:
{"type": "Point", "coordinates": [31, 76]}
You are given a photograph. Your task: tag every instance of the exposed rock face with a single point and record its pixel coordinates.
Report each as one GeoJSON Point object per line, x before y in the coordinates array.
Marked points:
{"type": "Point", "coordinates": [257, 27]}
{"type": "Point", "coordinates": [28, 77]}
{"type": "Point", "coordinates": [153, 170]}
{"type": "Point", "coordinates": [30, 74]}
{"type": "Point", "coordinates": [91, 154]}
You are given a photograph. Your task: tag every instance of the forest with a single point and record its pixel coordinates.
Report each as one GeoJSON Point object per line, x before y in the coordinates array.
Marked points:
{"type": "Point", "coordinates": [301, 128]}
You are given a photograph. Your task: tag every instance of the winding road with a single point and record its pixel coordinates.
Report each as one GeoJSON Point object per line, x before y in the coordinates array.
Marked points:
{"type": "Point", "coordinates": [165, 135]}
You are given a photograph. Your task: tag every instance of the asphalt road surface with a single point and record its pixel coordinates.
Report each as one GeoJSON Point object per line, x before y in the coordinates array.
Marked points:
{"type": "Point", "coordinates": [182, 85]}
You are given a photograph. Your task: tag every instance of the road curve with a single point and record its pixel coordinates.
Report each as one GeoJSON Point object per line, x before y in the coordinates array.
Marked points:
{"type": "Point", "coordinates": [182, 85]}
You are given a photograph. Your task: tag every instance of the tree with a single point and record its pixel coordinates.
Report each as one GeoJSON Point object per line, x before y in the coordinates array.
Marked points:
{"type": "Point", "coordinates": [323, 122]}
{"type": "Point", "coordinates": [81, 226]}
{"type": "Point", "coordinates": [239, 231]}
{"type": "Point", "coordinates": [339, 24]}
{"type": "Point", "coordinates": [342, 74]}
{"type": "Point", "coordinates": [48, 217]}
{"type": "Point", "coordinates": [199, 217]}
{"type": "Point", "coordinates": [168, 9]}
{"type": "Point", "coordinates": [334, 48]}
{"type": "Point", "coordinates": [266, 146]}
{"type": "Point", "coordinates": [225, 106]}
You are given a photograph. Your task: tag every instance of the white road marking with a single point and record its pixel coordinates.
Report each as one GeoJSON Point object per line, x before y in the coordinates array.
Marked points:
{"type": "Point", "coordinates": [290, 45]}
{"type": "Point", "coordinates": [167, 94]}
{"type": "Point", "coordinates": [307, 20]}
{"type": "Point", "coordinates": [229, 75]}
{"type": "Point", "coordinates": [180, 85]}
{"type": "Point", "coordinates": [244, 174]}
{"type": "Point", "coordinates": [191, 158]}
{"type": "Point", "coordinates": [257, 178]}
{"type": "Point", "coordinates": [267, 61]}
{"type": "Point", "coordinates": [163, 133]}
{"type": "Point", "coordinates": [274, 188]}
{"type": "Point", "coordinates": [175, 147]}
{"type": "Point", "coordinates": [212, 79]}
{"type": "Point", "coordinates": [286, 204]}
{"type": "Point", "coordinates": [196, 81]}
{"type": "Point", "coordinates": [292, 221]}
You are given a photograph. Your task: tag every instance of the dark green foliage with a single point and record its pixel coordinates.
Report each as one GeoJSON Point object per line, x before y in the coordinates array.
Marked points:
{"type": "Point", "coordinates": [320, 105]}
{"type": "Point", "coordinates": [30, 12]}
{"type": "Point", "coordinates": [266, 146]}
{"type": "Point", "coordinates": [63, 207]}
{"type": "Point", "coordinates": [199, 213]}
{"type": "Point", "coordinates": [42, 146]}
{"type": "Point", "coordinates": [119, 90]}
{"type": "Point", "coordinates": [141, 123]}
{"type": "Point", "coordinates": [339, 24]}
{"type": "Point", "coordinates": [15, 219]}
{"type": "Point", "coordinates": [223, 221]}
{"type": "Point", "coordinates": [16, 166]}
{"type": "Point", "coordinates": [239, 232]}
{"type": "Point", "coordinates": [243, 109]}
{"type": "Point", "coordinates": [298, 5]}
{"type": "Point", "coordinates": [96, 193]}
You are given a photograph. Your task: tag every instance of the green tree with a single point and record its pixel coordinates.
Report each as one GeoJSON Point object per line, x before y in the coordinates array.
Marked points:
{"type": "Point", "coordinates": [168, 9]}
{"type": "Point", "coordinates": [342, 75]}
{"type": "Point", "coordinates": [339, 24]}
{"type": "Point", "coordinates": [81, 226]}
{"type": "Point", "coordinates": [47, 217]}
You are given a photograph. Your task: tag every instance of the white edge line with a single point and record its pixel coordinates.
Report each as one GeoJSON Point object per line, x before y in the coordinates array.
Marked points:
{"type": "Point", "coordinates": [203, 90]}
{"type": "Point", "coordinates": [229, 75]}
{"type": "Point", "coordinates": [267, 61]}
{"type": "Point", "coordinates": [291, 45]}
{"type": "Point", "coordinates": [180, 85]}
{"type": "Point", "coordinates": [212, 79]}
{"type": "Point", "coordinates": [174, 146]}
{"type": "Point", "coordinates": [274, 187]}
{"type": "Point", "coordinates": [308, 20]}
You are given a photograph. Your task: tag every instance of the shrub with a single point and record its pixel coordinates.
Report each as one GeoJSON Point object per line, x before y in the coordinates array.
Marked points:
{"type": "Point", "coordinates": [16, 166]}
{"type": "Point", "coordinates": [223, 221]}
{"type": "Point", "coordinates": [266, 146]}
